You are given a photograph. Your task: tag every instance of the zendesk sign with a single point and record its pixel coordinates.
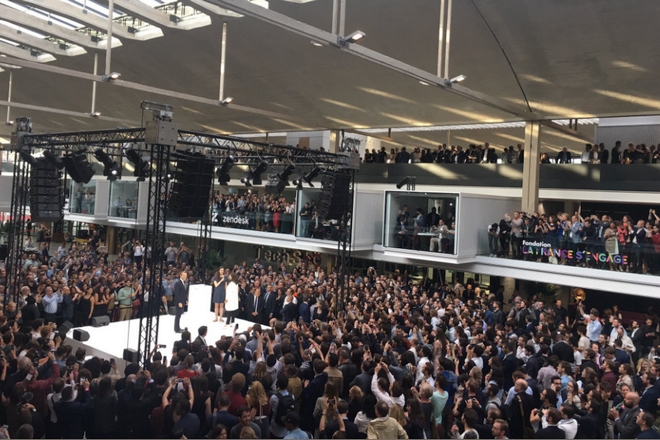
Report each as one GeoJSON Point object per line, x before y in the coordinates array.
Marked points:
{"type": "Point", "coordinates": [543, 249]}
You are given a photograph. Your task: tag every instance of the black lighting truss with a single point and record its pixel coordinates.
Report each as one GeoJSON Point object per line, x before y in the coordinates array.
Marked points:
{"type": "Point", "coordinates": [205, 237]}
{"type": "Point", "coordinates": [344, 265]}
{"type": "Point", "coordinates": [17, 227]}
{"type": "Point", "coordinates": [113, 142]}
{"type": "Point", "coordinates": [154, 267]}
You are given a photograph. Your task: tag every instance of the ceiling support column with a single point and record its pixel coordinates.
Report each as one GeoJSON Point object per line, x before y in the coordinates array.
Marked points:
{"type": "Point", "coordinates": [530, 181]}
{"type": "Point", "coordinates": [108, 47]}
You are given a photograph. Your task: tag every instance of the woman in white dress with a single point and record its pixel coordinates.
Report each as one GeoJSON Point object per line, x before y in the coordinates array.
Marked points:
{"type": "Point", "coordinates": [231, 300]}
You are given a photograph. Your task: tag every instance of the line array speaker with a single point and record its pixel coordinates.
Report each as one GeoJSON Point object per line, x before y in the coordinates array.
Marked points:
{"type": "Point", "coordinates": [335, 195]}
{"type": "Point", "coordinates": [191, 190]}
{"type": "Point", "coordinates": [45, 192]}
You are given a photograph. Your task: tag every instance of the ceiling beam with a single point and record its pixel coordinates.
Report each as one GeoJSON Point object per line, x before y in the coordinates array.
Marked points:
{"type": "Point", "coordinates": [39, 43]}
{"type": "Point", "coordinates": [25, 54]}
{"type": "Point", "coordinates": [65, 112]}
{"type": "Point", "coordinates": [29, 21]}
{"type": "Point", "coordinates": [158, 18]}
{"type": "Point", "coordinates": [147, 89]}
{"type": "Point", "coordinates": [282, 21]}
{"type": "Point", "coordinates": [567, 131]}
{"type": "Point", "coordinates": [89, 18]}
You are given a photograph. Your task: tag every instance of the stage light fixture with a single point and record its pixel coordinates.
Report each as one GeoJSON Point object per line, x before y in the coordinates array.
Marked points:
{"type": "Point", "coordinates": [258, 171]}
{"type": "Point", "coordinates": [78, 167]}
{"type": "Point", "coordinates": [454, 80]}
{"type": "Point", "coordinates": [298, 183]}
{"type": "Point", "coordinates": [352, 38]}
{"type": "Point", "coordinates": [142, 165]}
{"type": "Point", "coordinates": [110, 167]}
{"type": "Point", "coordinates": [226, 101]}
{"type": "Point", "coordinates": [50, 157]}
{"type": "Point", "coordinates": [403, 183]}
{"type": "Point", "coordinates": [285, 174]}
{"type": "Point", "coordinates": [222, 173]}
{"type": "Point", "coordinates": [313, 174]}
{"type": "Point", "coordinates": [28, 157]}
{"type": "Point", "coordinates": [112, 77]}
{"type": "Point", "coordinates": [245, 180]}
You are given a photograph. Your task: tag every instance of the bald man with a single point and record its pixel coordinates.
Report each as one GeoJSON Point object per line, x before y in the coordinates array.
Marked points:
{"type": "Point", "coordinates": [521, 401]}
{"type": "Point", "coordinates": [625, 423]}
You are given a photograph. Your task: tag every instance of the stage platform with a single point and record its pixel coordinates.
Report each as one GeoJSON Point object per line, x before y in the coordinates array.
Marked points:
{"type": "Point", "coordinates": [110, 341]}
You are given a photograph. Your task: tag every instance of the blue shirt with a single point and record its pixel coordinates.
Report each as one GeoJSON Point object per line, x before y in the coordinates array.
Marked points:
{"type": "Point", "coordinates": [50, 303]}
{"type": "Point", "coordinates": [297, 434]}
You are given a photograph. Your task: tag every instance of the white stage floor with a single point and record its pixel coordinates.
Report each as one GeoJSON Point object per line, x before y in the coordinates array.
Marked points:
{"type": "Point", "coordinates": [110, 341]}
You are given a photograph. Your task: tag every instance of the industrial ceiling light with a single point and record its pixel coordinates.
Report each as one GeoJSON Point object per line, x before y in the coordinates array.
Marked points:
{"type": "Point", "coordinates": [454, 80]}
{"type": "Point", "coordinates": [142, 165]}
{"type": "Point", "coordinates": [112, 77]}
{"type": "Point", "coordinates": [110, 167]}
{"type": "Point", "coordinates": [352, 38]}
{"type": "Point", "coordinates": [316, 43]}
{"type": "Point", "coordinates": [95, 114]}
{"type": "Point", "coordinates": [223, 172]}
{"type": "Point", "coordinates": [226, 101]}
{"type": "Point", "coordinates": [50, 157]}
{"type": "Point", "coordinates": [403, 183]}
{"type": "Point", "coordinates": [424, 83]}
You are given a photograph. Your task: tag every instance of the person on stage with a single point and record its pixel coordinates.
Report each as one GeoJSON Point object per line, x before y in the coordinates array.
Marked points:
{"type": "Point", "coordinates": [219, 289]}
{"type": "Point", "coordinates": [180, 298]}
{"type": "Point", "coordinates": [231, 300]}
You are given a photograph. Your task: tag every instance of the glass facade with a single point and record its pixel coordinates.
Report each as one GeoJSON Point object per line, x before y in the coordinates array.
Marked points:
{"type": "Point", "coordinates": [420, 221]}
{"type": "Point", "coordinates": [83, 197]}
{"type": "Point", "coordinates": [123, 199]}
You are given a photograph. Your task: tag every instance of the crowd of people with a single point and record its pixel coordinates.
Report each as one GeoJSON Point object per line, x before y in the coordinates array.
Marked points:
{"type": "Point", "coordinates": [399, 360]}
{"type": "Point", "coordinates": [592, 154]}
{"type": "Point", "coordinates": [271, 213]}
{"type": "Point", "coordinates": [605, 243]}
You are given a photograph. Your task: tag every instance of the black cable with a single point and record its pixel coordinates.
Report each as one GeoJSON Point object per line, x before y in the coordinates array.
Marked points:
{"type": "Point", "coordinates": [504, 53]}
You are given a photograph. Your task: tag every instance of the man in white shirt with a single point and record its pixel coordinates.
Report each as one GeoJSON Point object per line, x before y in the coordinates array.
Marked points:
{"type": "Point", "coordinates": [383, 395]}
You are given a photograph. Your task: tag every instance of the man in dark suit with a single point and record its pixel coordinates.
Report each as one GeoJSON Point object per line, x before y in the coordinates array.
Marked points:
{"type": "Point", "coordinates": [403, 157]}
{"type": "Point", "coordinates": [254, 306]}
{"type": "Point", "coordinates": [351, 428]}
{"type": "Point", "coordinates": [201, 337]}
{"type": "Point", "coordinates": [650, 395]}
{"type": "Point", "coordinates": [625, 424]}
{"type": "Point", "coordinates": [603, 154]}
{"type": "Point", "coordinates": [269, 305]}
{"type": "Point", "coordinates": [313, 390]}
{"type": "Point", "coordinates": [564, 156]}
{"type": "Point", "coordinates": [363, 380]}
{"type": "Point", "coordinates": [648, 329]}
{"type": "Point", "coordinates": [616, 152]}
{"type": "Point", "coordinates": [520, 410]}
{"type": "Point", "coordinates": [180, 298]}
{"type": "Point", "coordinates": [509, 364]}
{"type": "Point", "coordinates": [562, 350]}
{"type": "Point", "coordinates": [552, 431]}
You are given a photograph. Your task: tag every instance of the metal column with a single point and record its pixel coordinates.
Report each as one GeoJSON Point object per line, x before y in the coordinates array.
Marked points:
{"type": "Point", "coordinates": [344, 262]}
{"type": "Point", "coordinates": [530, 188]}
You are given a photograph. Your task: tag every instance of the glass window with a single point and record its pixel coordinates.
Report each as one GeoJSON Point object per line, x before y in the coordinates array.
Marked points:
{"type": "Point", "coordinates": [83, 196]}
{"type": "Point", "coordinates": [310, 225]}
{"type": "Point", "coordinates": [421, 221]}
{"type": "Point", "coordinates": [123, 199]}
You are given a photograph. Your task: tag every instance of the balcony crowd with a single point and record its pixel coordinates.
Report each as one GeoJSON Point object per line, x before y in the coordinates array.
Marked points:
{"type": "Point", "coordinates": [606, 243]}
{"type": "Point", "coordinates": [592, 154]}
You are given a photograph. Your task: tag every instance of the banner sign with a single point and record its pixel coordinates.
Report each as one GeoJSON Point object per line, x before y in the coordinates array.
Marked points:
{"type": "Point", "coordinates": [541, 248]}
{"type": "Point", "coordinates": [291, 258]}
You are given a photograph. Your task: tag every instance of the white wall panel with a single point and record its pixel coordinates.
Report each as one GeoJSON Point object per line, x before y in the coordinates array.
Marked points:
{"type": "Point", "coordinates": [637, 134]}
{"type": "Point", "coordinates": [368, 218]}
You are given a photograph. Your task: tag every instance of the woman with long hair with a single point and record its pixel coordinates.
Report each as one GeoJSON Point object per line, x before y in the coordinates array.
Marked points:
{"type": "Point", "coordinates": [415, 419]}
{"type": "Point", "coordinates": [219, 294]}
{"type": "Point", "coordinates": [258, 401]}
{"type": "Point", "coordinates": [231, 300]}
